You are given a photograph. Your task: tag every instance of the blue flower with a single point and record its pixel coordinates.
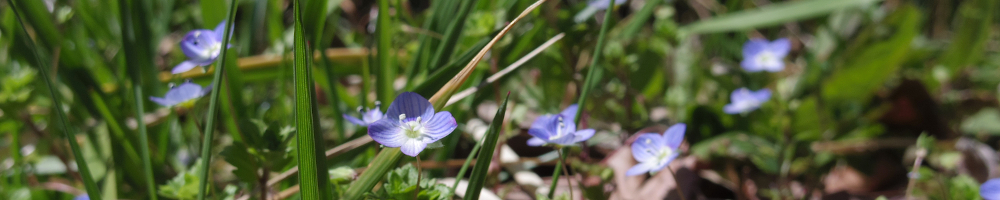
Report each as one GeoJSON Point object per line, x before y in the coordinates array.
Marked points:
{"type": "Point", "coordinates": [744, 100]}
{"type": "Point", "coordinates": [202, 47]}
{"type": "Point", "coordinates": [367, 117]}
{"type": "Point", "coordinates": [761, 55]}
{"type": "Point", "coordinates": [81, 197]}
{"type": "Point", "coordinates": [990, 190]}
{"type": "Point", "coordinates": [553, 129]}
{"type": "Point", "coordinates": [655, 151]}
{"type": "Point", "coordinates": [183, 95]}
{"type": "Point", "coordinates": [411, 124]}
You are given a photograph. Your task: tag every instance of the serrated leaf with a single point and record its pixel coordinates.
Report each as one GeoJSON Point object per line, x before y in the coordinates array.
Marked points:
{"type": "Point", "coordinates": [246, 164]}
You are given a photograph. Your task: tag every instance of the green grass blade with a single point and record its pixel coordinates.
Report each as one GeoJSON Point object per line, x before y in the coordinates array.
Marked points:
{"type": "Point", "coordinates": [452, 34]}
{"type": "Point", "coordinates": [134, 65]}
{"type": "Point", "coordinates": [386, 68]}
{"type": "Point", "coordinates": [312, 168]}
{"type": "Point", "coordinates": [206, 142]}
{"type": "Point", "coordinates": [773, 14]}
{"type": "Point", "coordinates": [439, 77]}
{"type": "Point", "coordinates": [592, 72]}
{"type": "Point", "coordinates": [486, 154]}
{"type": "Point", "coordinates": [88, 181]}
{"type": "Point", "coordinates": [465, 165]}
{"type": "Point", "coordinates": [640, 18]}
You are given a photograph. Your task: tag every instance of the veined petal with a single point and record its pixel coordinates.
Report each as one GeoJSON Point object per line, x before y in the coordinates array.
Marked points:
{"type": "Point", "coordinates": [535, 141]}
{"type": "Point", "coordinates": [638, 169]}
{"type": "Point", "coordinates": [569, 114]}
{"type": "Point", "coordinates": [412, 105]}
{"type": "Point", "coordinates": [355, 120]}
{"type": "Point", "coordinates": [990, 190]}
{"type": "Point", "coordinates": [162, 101]}
{"type": "Point", "coordinates": [583, 135]}
{"type": "Point", "coordinates": [780, 47]}
{"type": "Point", "coordinates": [440, 125]}
{"type": "Point", "coordinates": [387, 132]}
{"type": "Point", "coordinates": [372, 115]}
{"type": "Point", "coordinates": [674, 135]}
{"type": "Point", "coordinates": [413, 147]}
{"type": "Point", "coordinates": [183, 67]}
{"type": "Point", "coordinates": [646, 146]}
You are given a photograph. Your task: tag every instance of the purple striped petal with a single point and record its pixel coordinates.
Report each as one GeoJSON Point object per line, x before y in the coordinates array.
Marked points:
{"type": "Point", "coordinates": [569, 114]}
{"type": "Point", "coordinates": [355, 120]}
{"type": "Point", "coordinates": [646, 146]}
{"type": "Point", "coordinates": [183, 67]}
{"type": "Point", "coordinates": [674, 135]}
{"type": "Point", "coordinates": [638, 169]}
{"type": "Point", "coordinates": [412, 105]}
{"type": "Point", "coordinates": [583, 135]}
{"type": "Point", "coordinates": [534, 141]}
{"type": "Point", "coordinates": [544, 127]}
{"type": "Point", "coordinates": [387, 132]}
{"type": "Point", "coordinates": [413, 147]}
{"type": "Point", "coordinates": [440, 125]}
{"type": "Point", "coordinates": [185, 91]}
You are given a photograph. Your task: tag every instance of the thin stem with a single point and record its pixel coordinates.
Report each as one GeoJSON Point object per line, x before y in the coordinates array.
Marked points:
{"type": "Point", "coordinates": [677, 184]}
{"type": "Point", "coordinates": [921, 153]}
{"type": "Point", "coordinates": [74, 145]}
{"type": "Point", "coordinates": [555, 178]}
{"type": "Point", "coordinates": [569, 182]}
{"type": "Point", "coordinates": [419, 174]}
{"type": "Point", "coordinates": [206, 142]}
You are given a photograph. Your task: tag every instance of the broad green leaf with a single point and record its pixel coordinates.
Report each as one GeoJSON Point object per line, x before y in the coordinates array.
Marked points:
{"type": "Point", "coordinates": [312, 160]}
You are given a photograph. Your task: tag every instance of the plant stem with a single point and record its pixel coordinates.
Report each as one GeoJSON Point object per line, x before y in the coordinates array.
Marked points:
{"type": "Point", "coordinates": [92, 191]}
{"type": "Point", "coordinates": [565, 170]}
{"type": "Point", "coordinates": [921, 153]}
{"type": "Point", "coordinates": [419, 174]}
{"type": "Point", "coordinates": [677, 184]}
{"type": "Point", "coordinates": [206, 142]}
{"type": "Point", "coordinates": [592, 71]}
{"type": "Point", "coordinates": [555, 177]}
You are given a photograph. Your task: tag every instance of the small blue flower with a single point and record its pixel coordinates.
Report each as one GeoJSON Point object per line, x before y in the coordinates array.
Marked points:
{"type": "Point", "coordinates": [744, 100]}
{"type": "Point", "coordinates": [990, 190]}
{"type": "Point", "coordinates": [202, 47]}
{"type": "Point", "coordinates": [81, 197]}
{"type": "Point", "coordinates": [553, 129]}
{"type": "Point", "coordinates": [655, 151]}
{"type": "Point", "coordinates": [410, 123]}
{"type": "Point", "coordinates": [761, 55]}
{"type": "Point", "coordinates": [367, 117]}
{"type": "Point", "coordinates": [183, 95]}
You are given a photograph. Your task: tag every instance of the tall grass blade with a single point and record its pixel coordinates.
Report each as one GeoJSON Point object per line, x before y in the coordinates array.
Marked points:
{"type": "Point", "coordinates": [465, 165]}
{"type": "Point", "coordinates": [312, 168]}
{"type": "Point", "coordinates": [773, 14]}
{"type": "Point", "coordinates": [592, 71]}
{"type": "Point", "coordinates": [206, 142]}
{"type": "Point", "coordinates": [452, 34]}
{"type": "Point", "coordinates": [486, 154]}
{"type": "Point", "coordinates": [88, 181]}
{"type": "Point", "coordinates": [134, 63]}
{"type": "Point", "coordinates": [386, 68]}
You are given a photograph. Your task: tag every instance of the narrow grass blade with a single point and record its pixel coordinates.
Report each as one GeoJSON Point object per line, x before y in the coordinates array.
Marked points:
{"type": "Point", "coordinates": [592, 74]}
{"type": "Point", "coordinates": [640, 18]}
{"type": "Point", "coordinates": [452, 34]}
{"type": "Point", "coordinates": [465, 165]}
{"type": "Point", "coordinates": [773, 14]}
{"type": "Point", "coordinates": [386, 68]}
{"type": "Point", "coordinates": [468, 92]}
{"type": "Point", "coordinates": [312, 168]}
{"type": "Point", "coordinates": [486, 154]}
{"type": "Point", "coordinates": [434, 82]}
{"type": "Point", "coordinates": [381, 164]}
{"type": "Point", "coordinates": [206, 142]}
{"type": "Point", "coordinates": [88, 181]}
{"type": "Point", "coordinates": [134, 63]}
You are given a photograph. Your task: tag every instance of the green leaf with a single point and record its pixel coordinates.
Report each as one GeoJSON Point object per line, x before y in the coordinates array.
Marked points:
{"type": "Point", "coordinates": [312, 166]}
{"type": "Point", "coordinates": [184, 185]}
{"type": "Point", "coordinates": [206, 142]}
{"type": "Point", "coordinates": [386, 68]}
{"type": "Point", "coordinates": [246, 164]}
{"type": "Point", "coordinates": [974, 19]}
{"type": "Point", "coordinates": [401, 182]}
{"type": "Point", "coordinates": [479, 172]}
{"type": "Point", "coordinates": [136, 55]}
{"type": "Point", "coordinates": [773, 14]}
{"type": "Point", "coordinates": [986, 121]}
{"type": "Point", "coordinates": [452, 34]}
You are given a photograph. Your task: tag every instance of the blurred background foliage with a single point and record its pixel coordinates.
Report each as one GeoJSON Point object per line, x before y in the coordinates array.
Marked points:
{"type": "Point", "coordinates": [863, 81]}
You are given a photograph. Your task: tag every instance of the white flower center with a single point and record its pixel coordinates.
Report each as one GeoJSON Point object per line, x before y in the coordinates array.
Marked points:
{"type": "Point", "coordinates": [663, 155]}
{"type": "Point", "coordinates": [766, 58]}
{"type": "Point", "coordinates": [560, 130]}
{"type": "Point", "coordinates": [412, 129]}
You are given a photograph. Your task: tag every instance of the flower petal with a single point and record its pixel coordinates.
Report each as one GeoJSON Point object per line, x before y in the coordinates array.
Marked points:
{"type": "Point", "coordinates": [646, 146]}
{"type": "Point", "coordinates": [162, 101]}
{"type": "Point", "coordinates": [990, 190]}
{"type": "Point", "coordinates": [660, 166]}
{"type": "Point", "coordinates": [762, 95]}
{"type": "Point", "coordinates": [754, 46]}
{"type": "Point", "coordinates": [741, 94]}
{"type": "Point", "coordinates": [413, 147]}
{"type": "Point", "coordinates": [355, 120]}
{"type": "Point", "coordinates": [387, 132]}
{"type": "Point", "coordinates": [440, 125]}
{"type": "Point", "coordinates": [220, 30]}
{"type": "Point", "coordinates": [751, 65]}
{"type": "Point", "coordinates": [638, 169]}
{"type": "Point", "coordinates": [183, 67]}
{"type": "Point", "coordinates": [411, 104]}
{"type": "Point", "coordinates": [535, 141]}
{"type": "Point", "coordinates": [780, 47]}
{"type": "Point", "coordinates": [185, 91]}
{"type": "Point", "coordinates": [544, 127]}
{"type": "Point", "coordinates": [372, 115]}
{"type": "Point", "coordinates": [583, 135]}
{"type": "Point", "coordinates": [569, 114]}
{"type": "Point", "coordinates": [674, 135]}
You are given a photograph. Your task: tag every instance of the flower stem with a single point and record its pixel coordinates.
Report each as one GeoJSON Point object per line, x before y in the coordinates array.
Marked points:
{"type": "Point", "coordinates": [555, 179]}
{"type": "Point", "coordinates": [565, 170]}
{"type": "Point", "coordinates": [677, 184]}
{"type": "Point", "coordinates": [419, 173]}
